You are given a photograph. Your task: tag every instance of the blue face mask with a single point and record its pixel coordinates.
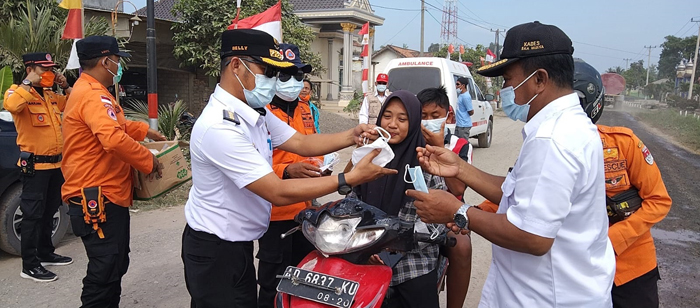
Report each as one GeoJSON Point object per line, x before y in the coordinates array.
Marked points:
{"type": "Point", "coordinates": [118, 76]}
{"type": "Point", "coordinates": [381, 87]}
{"type": "Point", "coordinates": [514, 111]}
{"type": "Point", "coordinates": [263, 92]}
{"type": "Point", "coordinates": [289, 90]}
{"type": "Point", "coordinates": [417, 178]}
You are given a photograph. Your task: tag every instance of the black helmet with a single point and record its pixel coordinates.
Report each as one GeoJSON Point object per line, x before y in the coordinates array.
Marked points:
{"type": "Point", "coordinates": [589, 87]}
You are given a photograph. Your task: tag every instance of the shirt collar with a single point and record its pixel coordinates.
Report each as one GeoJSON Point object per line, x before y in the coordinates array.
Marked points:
{"type": "Point", "coordinates": [232, 103]}
{"type": "Point", "coordinates": [551, 109]}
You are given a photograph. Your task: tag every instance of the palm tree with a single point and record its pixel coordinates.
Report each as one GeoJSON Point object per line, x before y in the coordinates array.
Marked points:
{"type": "Point", "coordinates": [39, 28]}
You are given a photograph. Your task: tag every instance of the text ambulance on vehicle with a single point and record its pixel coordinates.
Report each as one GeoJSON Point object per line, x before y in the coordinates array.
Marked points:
{"type": "Point", "coordinates": [416, 74]}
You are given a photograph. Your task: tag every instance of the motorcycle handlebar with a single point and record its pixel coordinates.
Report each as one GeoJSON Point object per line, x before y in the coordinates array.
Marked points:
{"type": "Point", "coordinates": [442, 239]}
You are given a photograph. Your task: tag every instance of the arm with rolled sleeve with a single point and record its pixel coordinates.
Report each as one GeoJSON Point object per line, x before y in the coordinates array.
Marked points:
{"type": "Point", "coordinates": [656, 201]}
{"type": "Point", "coordinates": [364, 111]}
{"type": "Point", "coordinates": [113, 138]}
{"type": "Point", "coordinates": [543, 188]}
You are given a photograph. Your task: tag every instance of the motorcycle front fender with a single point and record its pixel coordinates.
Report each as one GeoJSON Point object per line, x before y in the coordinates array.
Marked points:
{"type": "Point", "coordinates": [374, 281]}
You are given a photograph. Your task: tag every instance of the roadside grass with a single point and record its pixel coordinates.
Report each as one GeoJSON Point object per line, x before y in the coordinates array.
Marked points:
{"type": "Point", "coordinates": [685, 130]}
{"type": "Point", "coordinates": [175, 197]}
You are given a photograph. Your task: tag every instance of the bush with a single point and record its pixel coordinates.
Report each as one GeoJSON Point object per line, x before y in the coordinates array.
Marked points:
{"type": "Point", "coordinates": [354, 106]}
{"type": "Point", "coordinates": [168, 117]}
{"type": "Point", "coordinates": [682, 103]}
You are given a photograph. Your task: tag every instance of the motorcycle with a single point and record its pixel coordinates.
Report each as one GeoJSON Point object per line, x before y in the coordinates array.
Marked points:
{"type": "Point", "coordinates": [346, 233]}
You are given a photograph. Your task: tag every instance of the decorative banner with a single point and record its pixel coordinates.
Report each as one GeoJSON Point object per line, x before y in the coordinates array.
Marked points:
{"type": "Point", "coordinates": [490, 56]}
{"type": "Point", "coordinates": [74, 22]}
{"type": "Point", "coordinates": [364, 32]}
{"type": "Point", "coordinates": [269, 21]}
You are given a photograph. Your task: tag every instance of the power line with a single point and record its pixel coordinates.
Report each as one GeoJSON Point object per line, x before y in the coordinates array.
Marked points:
{"type": "Point", "coordinates": [404, 27]}
{"type": "Point", "coordinates": [395, 9]}
{"type": "Point", "coordinates": [460, 18]}
{"type": "Point", "coordinates": [615, 49]}
{"type": "Point", "coordinates": [682, 28]}
{"type": "Point", "coordinates": [477, 16]}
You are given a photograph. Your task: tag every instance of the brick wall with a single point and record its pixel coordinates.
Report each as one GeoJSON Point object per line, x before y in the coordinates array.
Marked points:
{"type": "Point", "coordinates": [201, 90]}
{"type": "Point", "coordinates": [173, 85]}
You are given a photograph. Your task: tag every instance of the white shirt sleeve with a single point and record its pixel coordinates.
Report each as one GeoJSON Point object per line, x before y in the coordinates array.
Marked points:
{"type": "Point", "coordinates": [235, 155]}
{"type": "Point", "coordinates": [280, 132]}
{"type": "Point", "coordinates": [364, 111]}
{"type": "Point", "coordinates": [540, 190]}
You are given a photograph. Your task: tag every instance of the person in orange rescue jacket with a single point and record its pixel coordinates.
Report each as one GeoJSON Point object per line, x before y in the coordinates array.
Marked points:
{"type": "Point", "coordinates": [101, 148]}
{"type": "Point", "coordinates": [274, 253]}
{"type": "Point", "coordinates": [36, 111]}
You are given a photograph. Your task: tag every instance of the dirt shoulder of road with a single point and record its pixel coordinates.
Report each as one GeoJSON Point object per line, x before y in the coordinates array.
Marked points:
{"type": "Point", "coordinates": [683, 132]}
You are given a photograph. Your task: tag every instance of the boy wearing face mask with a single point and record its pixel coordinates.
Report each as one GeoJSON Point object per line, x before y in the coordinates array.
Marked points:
{"type": "Point", "coordinates": [435, 112]}
{"type": "Point", "coordinates": [274, 253]}
{"type": "Point", "coordinates": [36, 111]}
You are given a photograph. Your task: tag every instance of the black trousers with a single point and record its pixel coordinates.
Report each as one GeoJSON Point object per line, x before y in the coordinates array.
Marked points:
{"type": "Point", "coordinates": [641, 292]}
{"type": "Point", "coordinates": [108, 257]}
{"type": "Point", "coordinates": [419, 292]}
{"type": "Point", "coordinates": [218, 273]}
{"type": "Point", "coordinates": [275, 254]}
{"type": "Point", "coordinates": [40, 199]}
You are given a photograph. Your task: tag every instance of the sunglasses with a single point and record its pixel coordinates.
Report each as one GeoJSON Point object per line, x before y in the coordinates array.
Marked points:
{"type": "Point", "coordinates": [270, 72]}
{"type": "Point", "coordinates": [284, 77]}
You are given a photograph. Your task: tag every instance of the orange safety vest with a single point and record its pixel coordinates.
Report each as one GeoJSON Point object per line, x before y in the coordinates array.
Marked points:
{"type": "Point", "coordinates": [302, 122]}
{"type": "Point", "coordinates": [100, 144]}
{"type": "Point", "coordinates": [38, 121]}
{"type": "Point", "coordinates": [628, 163]}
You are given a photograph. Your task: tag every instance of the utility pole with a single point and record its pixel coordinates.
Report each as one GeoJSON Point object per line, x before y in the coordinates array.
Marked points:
{"type": "Point", "coordinates": [422, 25]}
{"type": "Point", "coordinates": [498, 48]}
{"type": "Point", "coordinates": [151, 66]}
{"type": "Point", "coordinates": [627, 65]}
{"type": "Point", "coordinates": [649, 62]}
{"type": "Point", "coordinates": [695, 61]}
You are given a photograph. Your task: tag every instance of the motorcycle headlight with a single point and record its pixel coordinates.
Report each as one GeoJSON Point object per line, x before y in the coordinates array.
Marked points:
{"type": "Point", "coordinates": [340, 235]}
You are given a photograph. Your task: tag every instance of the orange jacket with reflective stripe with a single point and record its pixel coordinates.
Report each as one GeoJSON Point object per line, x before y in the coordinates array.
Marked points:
{"type": "Point", "coordinates": [302, 122]}
{"type": "Point", "coordinates": [38, 121]}
{"type": "Point", "coordinates": [628, 163]}
{"type": "Point", "coordinates": [100, 144]}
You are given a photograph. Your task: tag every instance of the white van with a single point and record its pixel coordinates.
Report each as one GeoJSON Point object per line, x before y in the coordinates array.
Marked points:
{"type": "Point", "coordinates": [416, 74]}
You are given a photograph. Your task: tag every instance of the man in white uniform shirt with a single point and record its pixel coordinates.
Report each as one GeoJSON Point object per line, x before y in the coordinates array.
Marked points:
{"type": "Point", "coordinates": [372, 103]}
{"type": "Point", "coordinates": [550, 244]}
{"type": "Point", "coordinates": [233, 182]}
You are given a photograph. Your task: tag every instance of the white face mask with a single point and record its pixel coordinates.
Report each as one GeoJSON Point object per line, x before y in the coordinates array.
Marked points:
{"type": "Point", "coordinates": [384, 157]}
{"type": "Point", "coordinates": [434, 125]}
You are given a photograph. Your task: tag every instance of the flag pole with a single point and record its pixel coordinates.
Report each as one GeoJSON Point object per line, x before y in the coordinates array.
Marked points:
{"type": "Point", "coordinates": [238, 12]}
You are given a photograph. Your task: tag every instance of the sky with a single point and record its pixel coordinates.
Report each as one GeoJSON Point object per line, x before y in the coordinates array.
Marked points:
{"type": "Point", "coordinates": [604, 32]}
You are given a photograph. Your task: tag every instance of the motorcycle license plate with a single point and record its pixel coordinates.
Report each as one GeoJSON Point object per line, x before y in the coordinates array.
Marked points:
{"type": "Point", "coordinates": [318, 287]}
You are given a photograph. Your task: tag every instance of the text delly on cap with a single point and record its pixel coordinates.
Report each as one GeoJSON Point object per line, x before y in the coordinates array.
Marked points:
{"type": "Point", "coordinates": [531, 39]}
{"type": "Point", "coordinates": [98, 46]}
{"type": "Point", "coordinates": [256, 44]}
{"type": "Point", "coordinates": [291, 53]}
{"type": "Point", "coordinates": [38, 58]}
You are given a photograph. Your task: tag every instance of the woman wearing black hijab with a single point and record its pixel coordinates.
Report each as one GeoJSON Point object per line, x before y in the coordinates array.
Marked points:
{"type": "Point", "coordinates": [415, 275]}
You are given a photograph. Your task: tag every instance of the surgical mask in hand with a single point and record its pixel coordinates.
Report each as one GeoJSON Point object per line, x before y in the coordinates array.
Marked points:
{"type": "Point", "coordinates": [381, 87]}
{"type": "Point", "coordinates": [384, 157]}
{"type": "Point", "coordinates": [289, 90]}
{"type": "Point", "coordinates": [417, 178]}
{"type": "Point", "coordinates": [514, 111]}
{"type": "Point", "coordinates": [263, 92]}
{"type": "Point", "coordinates": [330, 160]}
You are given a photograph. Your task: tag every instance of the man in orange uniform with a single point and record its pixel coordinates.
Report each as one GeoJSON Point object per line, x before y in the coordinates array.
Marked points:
{"type": "Point", "coordinates": [274, 253]}
{"type": "Point", "coordinates": [631, 178]}
{"type": "Point", "coordinates": [36, 111]}
{"type": "Point", "coordinates": [100, 151]}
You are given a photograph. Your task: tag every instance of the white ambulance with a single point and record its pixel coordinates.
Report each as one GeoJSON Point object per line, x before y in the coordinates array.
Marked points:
{"type": "Point", "coordinates": [416, 74]}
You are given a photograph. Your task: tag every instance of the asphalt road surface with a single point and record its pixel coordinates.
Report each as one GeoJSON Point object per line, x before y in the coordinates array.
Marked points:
{"type": "Point", "coordinates": [677, 237]}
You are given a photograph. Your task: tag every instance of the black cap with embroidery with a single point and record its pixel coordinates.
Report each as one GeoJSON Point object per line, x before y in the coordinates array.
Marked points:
{"type": "Point", "coordinates": [291, 53]}
{"type": "Point", "coordinates": [38, 58]}
{"type": "Point", "coordinates": [256, 44]}
{"type": "Point", "coordinates": [531, 39]}
{"type": "Point", "coordinates": [98, 46]}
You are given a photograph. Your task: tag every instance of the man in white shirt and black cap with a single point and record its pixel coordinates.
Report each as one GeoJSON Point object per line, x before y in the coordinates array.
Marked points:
{"type": "Point", "coordinates": [549, 235]}
{"type": "Point", "coordinates": [233, 181]}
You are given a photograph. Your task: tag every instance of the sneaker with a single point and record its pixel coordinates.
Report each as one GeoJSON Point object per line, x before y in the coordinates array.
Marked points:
{"type": "Point", "coordinates": [39, 274]}
{"type": "Point", "coordinates": [55, 259]}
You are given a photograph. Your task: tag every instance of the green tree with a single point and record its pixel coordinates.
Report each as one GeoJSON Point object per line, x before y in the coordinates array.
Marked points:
{"type": "Point", "coordinates": [472, 55]}
{"type": "Point", "coordinates": [434, 47]}
{"type": "Point", "coordinates": [617, 70]}
{"type": "Point", "coordinates": [673, 50]}
{"type": "Point", "coordinates": [636, 75]}
{"type": "Point", "coordinates": [35, 28]}
{"type": "Point", "coordinates": [198, 36]}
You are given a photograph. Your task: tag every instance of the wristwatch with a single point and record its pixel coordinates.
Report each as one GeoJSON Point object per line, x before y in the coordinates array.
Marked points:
{"type": "Point", "coordinates": [26, 82]}
{"type": "Point", "coordinates": [343, 187]}
{"type": "Point", "coordinates": [460, 218]}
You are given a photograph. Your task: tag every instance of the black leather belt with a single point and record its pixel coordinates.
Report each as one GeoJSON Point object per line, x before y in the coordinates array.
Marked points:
{"type": "Point", "coordinates": [48, 159]}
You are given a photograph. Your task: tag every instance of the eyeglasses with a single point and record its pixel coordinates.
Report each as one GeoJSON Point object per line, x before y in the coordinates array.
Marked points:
{"type": "Point", "coordinates": [381, 82]}
{"type": "Point", "coordinates": [270, 72]}
{"type": "Point", "coordinates": [284, 77]}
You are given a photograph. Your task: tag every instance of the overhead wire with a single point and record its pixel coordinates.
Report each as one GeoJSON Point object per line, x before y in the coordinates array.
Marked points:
{"type": "Point", "coordinates": [459, 18]}
{"type": "Point", "coordinates": [404, 27]}
{"type": "Point", "coordinates": [679, 31]}
{"type": "Point", "coordinates": [395, 9]}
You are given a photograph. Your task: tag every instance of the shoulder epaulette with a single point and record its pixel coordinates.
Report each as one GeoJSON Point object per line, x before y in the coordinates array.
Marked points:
{"type": "Point", "coordinates": [615, 130]}
{"type": "Point", "coordinates": [231, 116]}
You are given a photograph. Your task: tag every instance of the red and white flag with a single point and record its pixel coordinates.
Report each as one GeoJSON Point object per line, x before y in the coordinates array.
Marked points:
{"type": "Point", "coordinates": [450, 50]}
{"type": "Point", "coordinates": [269, 21]}
{"type": "Point", "coordinates": [490, 56]}
{"type": "Point", "coordinates": [73, 29]}
{"type": "Point", "coordinates": [461, 51]}
{"type": "Point", "coordinates": [364, 32]}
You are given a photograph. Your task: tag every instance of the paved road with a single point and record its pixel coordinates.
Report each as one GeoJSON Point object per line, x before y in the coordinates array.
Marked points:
{"type": "Point", "coordinates": [155, 277]}
{"type": "Point", "coordinates": [677, 237]}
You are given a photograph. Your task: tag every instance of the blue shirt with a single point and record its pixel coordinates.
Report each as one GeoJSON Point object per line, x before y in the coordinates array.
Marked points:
{"type": "Point", "coordinates": [464, 105]}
